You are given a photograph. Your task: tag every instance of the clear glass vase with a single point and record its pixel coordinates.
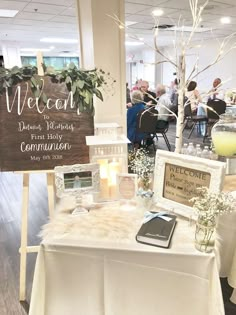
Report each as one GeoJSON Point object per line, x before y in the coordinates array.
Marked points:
{"type": "Point", "coordinates": [144, 203]}
{"type": "Point", "coordinates": [205, 234]}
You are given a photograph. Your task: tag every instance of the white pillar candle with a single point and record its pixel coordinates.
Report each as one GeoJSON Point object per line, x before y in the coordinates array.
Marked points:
{"type": "Point", "coordinates": [104, 189]}
{"type": "Point", "coordinates": [114, 169]}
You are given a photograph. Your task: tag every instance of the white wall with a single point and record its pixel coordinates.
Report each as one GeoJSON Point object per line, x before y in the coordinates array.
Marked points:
{"type": "Point", "coordinates": [144, 67]}
{"type": "Point", "coordinates": [225, 69]}
{"type": "Point", "coordinates": [163, 73]}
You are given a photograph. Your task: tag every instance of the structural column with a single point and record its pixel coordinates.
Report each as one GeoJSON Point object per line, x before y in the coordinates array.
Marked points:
{"type": "Point", "coordinates": [102, 46]}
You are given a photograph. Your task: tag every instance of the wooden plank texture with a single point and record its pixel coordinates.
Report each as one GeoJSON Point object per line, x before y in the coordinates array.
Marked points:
{"type": "Point", "coordinates": [38, 137]}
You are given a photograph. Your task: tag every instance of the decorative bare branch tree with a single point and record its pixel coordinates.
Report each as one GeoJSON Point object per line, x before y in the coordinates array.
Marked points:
{"type": "Point", "coordinates": [182, 43]}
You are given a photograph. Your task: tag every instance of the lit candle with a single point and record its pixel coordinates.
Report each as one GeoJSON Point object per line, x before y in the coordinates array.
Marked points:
{"type": "Point", "coordinates": [104, 188]}
{"type": "Point", "coordinates": [114, 169]}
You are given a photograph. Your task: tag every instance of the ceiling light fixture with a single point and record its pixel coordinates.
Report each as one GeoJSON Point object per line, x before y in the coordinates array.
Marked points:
{"type": "Point", "coordinates": [8, 13]}
{"type": "Point", "coordinates": [225, 20]}
{"type": "Point", "coordinates": [58, 40]}
{"type": "Point", "coordinates": [157, 12]}
{"type": "Point", "coordinates": [133, 43]}
{"type": "Point", "coordinates": [36, 49]}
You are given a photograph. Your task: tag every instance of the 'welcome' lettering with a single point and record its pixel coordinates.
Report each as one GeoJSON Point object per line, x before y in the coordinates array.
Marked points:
{"type": "Point", "coordinates": [59, 104]}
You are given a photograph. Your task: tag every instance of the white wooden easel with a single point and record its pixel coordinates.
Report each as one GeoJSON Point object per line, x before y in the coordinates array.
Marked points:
{"type": "Point", "coordinates": [24, 248]}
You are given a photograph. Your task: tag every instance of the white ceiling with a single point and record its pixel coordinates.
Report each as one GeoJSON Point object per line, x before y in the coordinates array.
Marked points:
{"type": "Point", "coordinates": [57, 18]}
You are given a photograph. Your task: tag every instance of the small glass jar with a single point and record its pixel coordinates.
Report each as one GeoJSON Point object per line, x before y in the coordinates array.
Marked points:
{"type": "Point", "coordinates": [223, 135]}
{"type": "Point", "coordinates": [205, 234]}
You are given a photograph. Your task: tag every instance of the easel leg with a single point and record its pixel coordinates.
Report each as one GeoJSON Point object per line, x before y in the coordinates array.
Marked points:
{"type": "Point", "coordinates": [24, 236]}
{"type": "Point", "coordinates": [50, 184]}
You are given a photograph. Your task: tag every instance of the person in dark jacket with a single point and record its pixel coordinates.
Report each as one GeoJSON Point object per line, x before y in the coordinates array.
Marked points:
{"type": "Point", "coordinates": [138, 105]}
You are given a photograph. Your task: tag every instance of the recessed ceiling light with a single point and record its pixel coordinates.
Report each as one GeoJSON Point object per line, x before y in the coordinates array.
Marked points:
{"type": "Point", "coordinates": [141, 38]}
{"type": "Point", "coordinates": [225, 20]}
{"type": "Point", "coordinates": [58, 40]}
{"type": "Point", "coordinates": [157, 12]}
{"type": "Point", "coordinates": [133, 43]}
{"type": "Point", "coordinates": [35, 49]}
{"type": "Point", "coordinates": [8, 13]}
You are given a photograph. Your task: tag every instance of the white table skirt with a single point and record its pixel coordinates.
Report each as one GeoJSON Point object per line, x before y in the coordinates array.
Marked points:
{"type": "Point", "coordinates": [97, 268]}
{"type": "Point", "coordinates": [226, 250]}
{"type": "Point", "coordinates": [226, 241]}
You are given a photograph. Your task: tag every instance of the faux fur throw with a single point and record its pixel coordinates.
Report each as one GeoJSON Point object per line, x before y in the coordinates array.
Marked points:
{"type": "Point", "coordinates": [113, 222]}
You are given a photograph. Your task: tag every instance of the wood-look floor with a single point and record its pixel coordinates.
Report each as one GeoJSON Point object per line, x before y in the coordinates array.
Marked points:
{"type": "Point", "coordinates": [10, 220]}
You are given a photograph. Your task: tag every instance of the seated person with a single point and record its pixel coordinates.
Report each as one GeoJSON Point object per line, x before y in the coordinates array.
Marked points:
{"type": "Point", "coordinates": [174, 98]}
{"type": "Point", "coordinates": [136, 86]}
{"type": "Point", "coordinates": [162, 104]}
{"type": "Point", "coordinates": [173, 91]}
{"type": "Point", "coordinates": [149, 97]}
{"type": "Point", "coordinates": [128, 99]}
{"type": "Point", "coordinates": [215, 93]}
{"type": "Point", "coordinates": [138, 105]}
{"type": "Point", "coordinates": [193, 96]}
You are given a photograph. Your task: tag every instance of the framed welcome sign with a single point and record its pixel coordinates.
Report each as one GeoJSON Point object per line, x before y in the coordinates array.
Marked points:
{"type": "Point", "coordinates": [40, 136]}
{"type": "Point", "coordinates": [177, 177]}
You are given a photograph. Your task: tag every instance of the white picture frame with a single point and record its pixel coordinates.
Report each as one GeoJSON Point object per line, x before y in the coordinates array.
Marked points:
{"type": "Point", "coordinates": [127, 186]}
{"type": "Point", "coordinates": [172, 190]}
{"type": "Point", "coordinates": [77, 179]}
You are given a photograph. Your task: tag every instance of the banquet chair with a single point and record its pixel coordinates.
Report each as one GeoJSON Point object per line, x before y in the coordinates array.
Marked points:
{"type": "Point", "coordinates": [217, 107]}
{"type": "Point", "coordinates": [194, 119]}
{"type": "Point", "coordinates": [147, 123]}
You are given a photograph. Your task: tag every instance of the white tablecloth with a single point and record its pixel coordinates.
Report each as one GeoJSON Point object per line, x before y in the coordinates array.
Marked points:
{"type": "Point", "coordinates": [92, 265]}
{"type": "Point", "coordinates": [226, 250]}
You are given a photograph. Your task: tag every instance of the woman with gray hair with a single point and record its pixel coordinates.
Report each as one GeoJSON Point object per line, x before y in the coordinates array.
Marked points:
{"type": "Point", "coordinates": [138, 105]}
{"type": "Point", "coordinates": [162, 105]}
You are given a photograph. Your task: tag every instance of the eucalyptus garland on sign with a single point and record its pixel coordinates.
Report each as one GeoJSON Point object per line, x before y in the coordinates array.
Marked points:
{"type": "Point", "coordinates": [83, 84]}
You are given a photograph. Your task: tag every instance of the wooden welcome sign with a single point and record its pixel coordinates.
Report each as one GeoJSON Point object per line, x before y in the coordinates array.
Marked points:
{"type": "Point", "coordinates": [38, 136]}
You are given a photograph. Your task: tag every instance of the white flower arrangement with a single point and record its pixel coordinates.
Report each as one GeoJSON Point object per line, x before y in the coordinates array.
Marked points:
{"type": "Point", "coordinates": [209, 205]}
{"type": "Point", "coordinates": [142, 165]}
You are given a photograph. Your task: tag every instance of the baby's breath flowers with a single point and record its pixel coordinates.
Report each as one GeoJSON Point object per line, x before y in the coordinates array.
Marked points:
{"type": "Point", "coordinates": [209, 205]}
{"type": "Point", "coordinates": [142, 165]}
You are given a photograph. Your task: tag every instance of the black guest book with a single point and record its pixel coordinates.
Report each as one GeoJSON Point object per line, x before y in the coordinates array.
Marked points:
{"type": "Point", "coordinates": [157, 231]}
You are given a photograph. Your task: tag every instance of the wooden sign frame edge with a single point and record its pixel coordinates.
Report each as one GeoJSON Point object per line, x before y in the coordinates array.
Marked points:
{"type": "Point", "coordinates": [24, 248]}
